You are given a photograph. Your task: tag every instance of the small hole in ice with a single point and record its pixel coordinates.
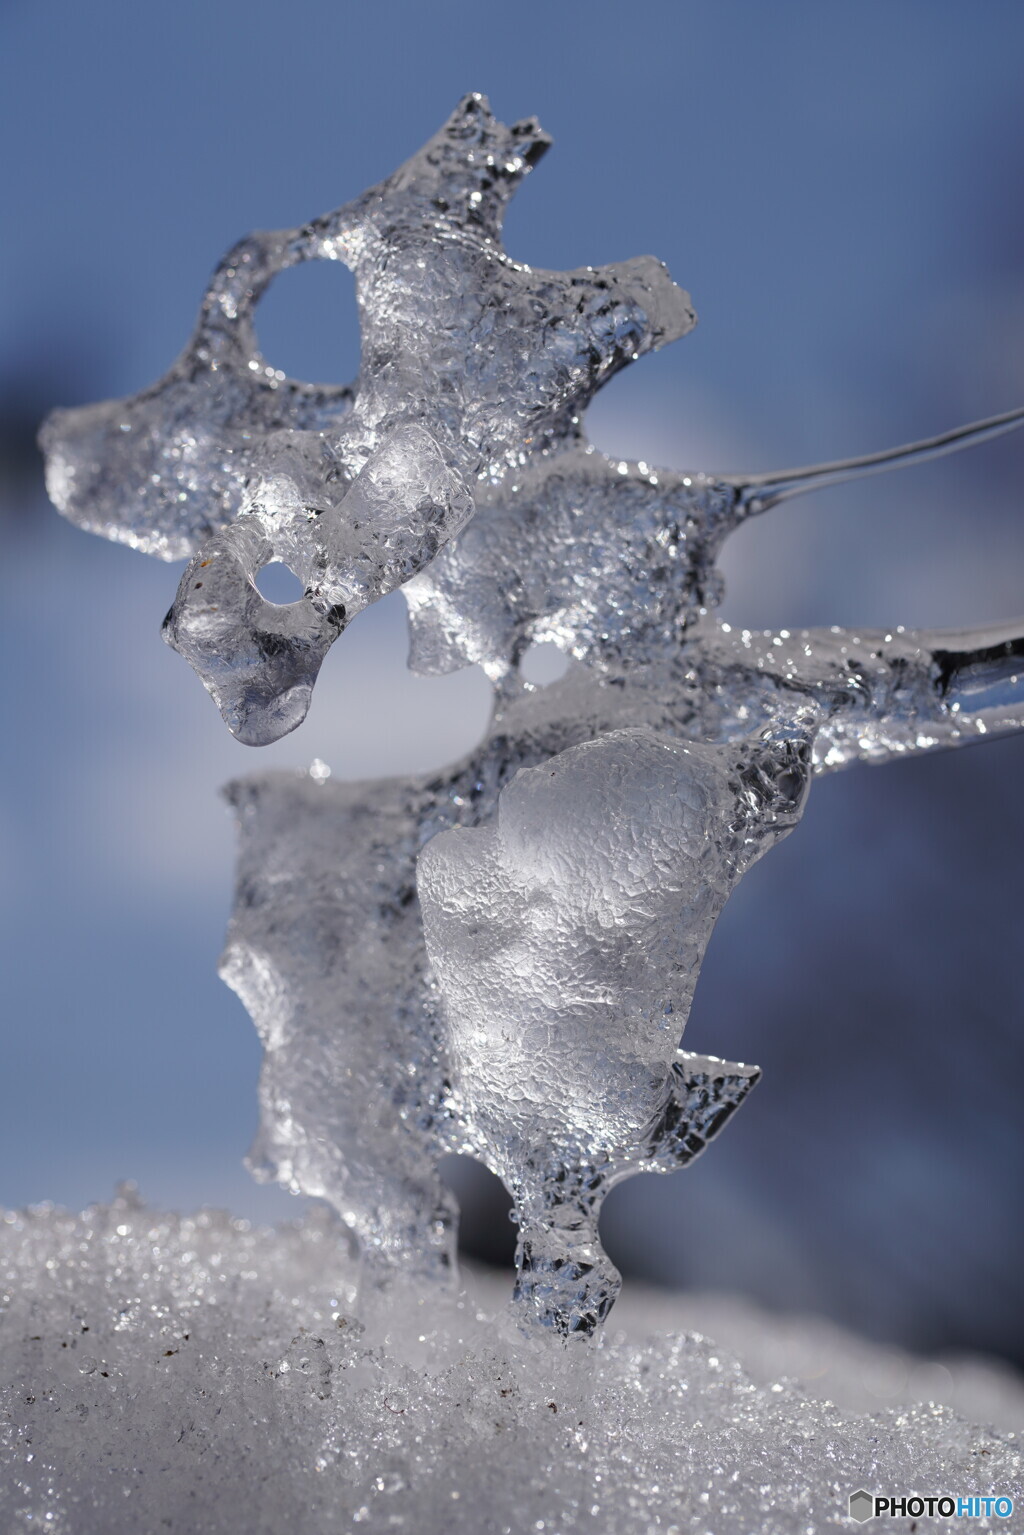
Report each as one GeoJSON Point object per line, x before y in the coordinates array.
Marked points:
{"type": "Point", "coordinates": [279, 584]}
{"type": "Point", "coordinates": [543, 663]}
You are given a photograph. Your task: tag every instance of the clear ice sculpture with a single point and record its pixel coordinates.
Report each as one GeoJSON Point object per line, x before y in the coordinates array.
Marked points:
{"type": "Point", "coordinates": [469, 361]}
{"type": "Point", "coordinates": [500, 958]}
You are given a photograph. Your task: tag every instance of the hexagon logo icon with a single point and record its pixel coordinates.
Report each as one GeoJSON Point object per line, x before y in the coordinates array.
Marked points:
{"type": "Point", "coordinates": [862, 1505]}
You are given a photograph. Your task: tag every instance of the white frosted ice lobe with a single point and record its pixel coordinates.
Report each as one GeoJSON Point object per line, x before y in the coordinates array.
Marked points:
{"type": "Point", "coordinates": [326, 952]}
{"type": "Point", "coordinates": [471, 365]}
{"type": "Point", "coordinates": [566, 940]}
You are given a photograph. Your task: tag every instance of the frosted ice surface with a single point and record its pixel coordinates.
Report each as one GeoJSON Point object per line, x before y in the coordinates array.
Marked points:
{"type": "Point", "coordinates": [474, 376]}
{"type": "Point", "coordinates": [174, 1374]}
{"type": "Point", "coordinates": [325, 950]}
{"type": "Point", "coordinates": [363, 1087]}
{"type": "Point", "coordinates": [566, 940]}
{"type": "Point", "coordinates": [472, 364]}
{"type": "Point", "coordinates": [612, 561]}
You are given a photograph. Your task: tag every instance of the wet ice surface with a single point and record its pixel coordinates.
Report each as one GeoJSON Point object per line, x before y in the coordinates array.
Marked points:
{"type": "Point", "coordinates": [194, 1374]}
{"type": "Point", "coordinates": [472, 365]}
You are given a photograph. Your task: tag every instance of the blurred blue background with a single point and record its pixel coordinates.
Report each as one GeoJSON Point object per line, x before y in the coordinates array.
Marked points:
{"type": "Point", "coordinates": [838, 187]}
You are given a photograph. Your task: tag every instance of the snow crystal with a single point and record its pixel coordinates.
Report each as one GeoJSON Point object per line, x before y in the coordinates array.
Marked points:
{"type": "Point", "coordinates": [192, 1374]}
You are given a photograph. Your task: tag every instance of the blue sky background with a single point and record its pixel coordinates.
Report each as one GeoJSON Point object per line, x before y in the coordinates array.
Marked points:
{"type": "Point", "coordinates": [838, 186]}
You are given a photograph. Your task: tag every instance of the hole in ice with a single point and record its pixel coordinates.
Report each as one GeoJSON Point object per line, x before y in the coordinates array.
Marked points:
{"type": "Point", "coordinates": [408, 724]}
{"type": "Point", "coordinates": [485, 1231]}
{"type": "Point", "coordinates": [279, 584]}
{"type": "Point", "coordinates": [543, 663]}
{"type": "Point", "coordinates": [307, 324]}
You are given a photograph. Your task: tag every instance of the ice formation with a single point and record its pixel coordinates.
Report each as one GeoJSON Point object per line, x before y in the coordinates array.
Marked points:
{"type": "Point", "coordinates": [361, 1092]}
{"type": "Point", "coordinates": [471, 365]}
{"type": "Point", "coordinates": [566, 940]}
{"type": "Point", "coordinates": [500, 958]}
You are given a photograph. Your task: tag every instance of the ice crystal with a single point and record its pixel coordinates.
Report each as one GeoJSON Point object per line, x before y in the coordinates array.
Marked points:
{"type": "Point", "coordinates": [471, 365]}
{"type": "Point", "coordinates": [566, 941]}
{"type": "Point", "coordinates": [499, 958]}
